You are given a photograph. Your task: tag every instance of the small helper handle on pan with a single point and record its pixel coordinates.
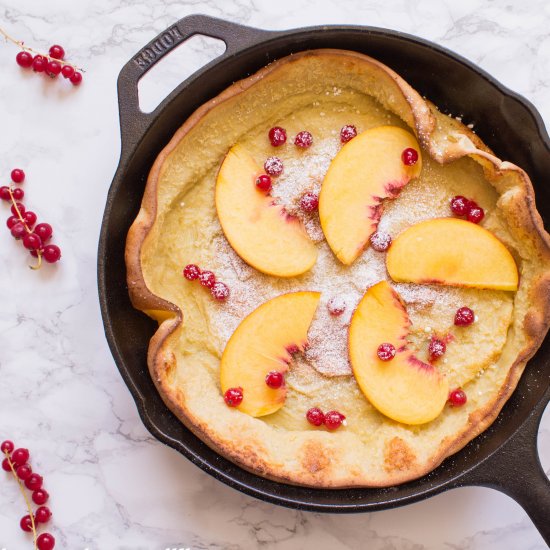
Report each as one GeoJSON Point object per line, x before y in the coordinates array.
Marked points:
{"type": "Point", "coordinates": [133, 121]}
{"type": "Point", "coordinates": [515, 470]}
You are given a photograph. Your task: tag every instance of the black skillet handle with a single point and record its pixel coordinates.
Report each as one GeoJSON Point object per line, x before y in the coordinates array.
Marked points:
{"type": "Point", "coordinates": [515, 470]}
{"type": "Point", "coordinates": [133, 121]}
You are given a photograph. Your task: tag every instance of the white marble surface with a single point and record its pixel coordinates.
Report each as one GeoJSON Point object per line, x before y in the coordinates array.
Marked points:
{"type": "Point", "coordinates": [113, 485]}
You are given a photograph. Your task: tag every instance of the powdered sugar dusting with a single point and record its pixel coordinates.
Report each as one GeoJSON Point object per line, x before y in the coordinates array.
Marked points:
{"type": "Point", "coordinates": [418, 201]}
{"type": "Point", "coordinates": [328, 336]}
{"type": "Point", "coordinates": [312, 226]}
{"type": "Point", "coordinates": [421, 297]}
{"type": "Point", "coordinates": [327, 353]}
{"type": "Point", "coordinates": [303, 174]}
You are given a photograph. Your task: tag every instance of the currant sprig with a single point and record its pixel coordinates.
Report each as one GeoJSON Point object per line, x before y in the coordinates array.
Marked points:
{"type": "Point", "coordinates": [16, 462]}
{"type": "Point", "coordinates": [53, 63]}
{"type": "Point", "coordinates": [22, 224]}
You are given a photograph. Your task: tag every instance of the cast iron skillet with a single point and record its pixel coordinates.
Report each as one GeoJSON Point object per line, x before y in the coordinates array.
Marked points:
{"type": "Point", "coordinates": [505, 456]}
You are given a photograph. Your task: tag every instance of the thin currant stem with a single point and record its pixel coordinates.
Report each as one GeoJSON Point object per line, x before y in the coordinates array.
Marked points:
{"type": "Point", "coordinates": [21, 45]}
{"type": "Point", "coordinates": [19, 215]}
{"type": "Point", "coordinates": [27, 502]}
{"type": "Point", "coordinates": [39, 264]}
{"type": "Point", "coordinates": [27, 228]}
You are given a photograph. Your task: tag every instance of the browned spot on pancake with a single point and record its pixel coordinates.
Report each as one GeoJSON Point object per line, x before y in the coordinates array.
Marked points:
{"type": "Point", "coordinates": [535, 322]}
{"type": "Point", "coordinates": [474, 418]}
{"type": "Point", "coordinates": [169, 364]}
{"type": "Point", "coordinates": [316, 458]}
{"type": "Point", "coordinates": [252, 454]}
{"type": "Point", "coordinates": [398, 456]}
{"type": "Point", "coordinates": [251, 457]}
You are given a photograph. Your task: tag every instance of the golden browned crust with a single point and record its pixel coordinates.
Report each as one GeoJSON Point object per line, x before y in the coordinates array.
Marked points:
{"type": "Point", "coordinates": [318, 463]}
{"type": "Point", "coordinates": [398, 456]}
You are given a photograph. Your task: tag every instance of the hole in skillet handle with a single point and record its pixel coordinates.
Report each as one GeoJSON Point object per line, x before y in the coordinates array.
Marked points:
{"type": "Point", "coordinates": [133, 121]}
{"type": "Point", "coordinates": [185, 59]}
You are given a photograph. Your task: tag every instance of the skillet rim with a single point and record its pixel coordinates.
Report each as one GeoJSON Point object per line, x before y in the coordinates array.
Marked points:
{"type": "Point", "coordinates": [126, 159]}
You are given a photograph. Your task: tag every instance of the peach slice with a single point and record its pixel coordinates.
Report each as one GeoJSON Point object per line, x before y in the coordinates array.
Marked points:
{"type": "Point", "coordinates": [265, 341]}
{"type": "Point", "coordinates": [404, 388]}
{"type": "Point", "coordinates": [367, 169]}
{"type": "Point", "coordinates": [452, 252]}
{"type": "Point", "coordinates": [260, 232]}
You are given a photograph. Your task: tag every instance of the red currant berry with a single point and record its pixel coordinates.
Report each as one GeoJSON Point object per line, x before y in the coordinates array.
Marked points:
{"type": "Point", "coordinates": [53, 68]}
{"type": "Point", "coordinates": [39, 64]}
{"type": "Point", "coordinates": [42, 514]}
{"type": "Point", "coordinates": [6, 465]}
{"type": "Point", "coordinates": [24, 59]}
{"type": "Point", "coordinates": [26, 523]}
{"type": "Point", "coordinates": [409, 156]}
{"type": "Point", "coordinates": [76, 79]}
{"type": "Point", "coordinates": [293, 349]}
{"type": "Point", "coordinates": [334, 419]}
{"type": "Point", "coordinates": [380, 241]}
{"type": "Point", "coordinates": [309, 202]}
{"type": "Point", "coordinates": [436, 348]}
{"type": "Point", "coordinates": [277, 136]}
{"type": "Point", "coordinates": [220, 291]}
{"type": "Point", "coordinates": [67, 71]}
{"type": "Point", "coordinates": [20, 456]}
{"type": "Point", "coordinates": [263, 183]}
{"type": "Point", "coordinates": [51, 253]}
{"type": "Point", "coordinates": [30, 218]}
{"type": "Point", "coordinates": [385, 352]}
{"type": "Point", "coordinates": [274, 166]}
{"type": "Point", "coordinates": [20, 207]}
{"type": "Point", "coordinates": [11, 221]}
{"type": "Point", "coordinates": [315, 416]}
{"type": "Point", "coordinates": [475, 214]}
{"type": "Point", "coordinates": [459, 205]}
{"type": "Point", "coordinates": [18, 194]}
{"type": "Point", "coordinates": [190, 272]}
{"type": "Point", "coordinates": [7, 446]}
{"type": "Point", "coordinates": [233, 397]}
{"type": "Point", "coordinates": [347, 133]}
{"type": "Point", "coordinates": [57, 52]}
{"type": "Point", "coordinates": [23, 472]}
{"type": "Point", "coordinates": [18, 230]}
{"type": "Point", "coordinates": [5, 193]}
{"type": "Point", "coordinates": [457, 398]}
{"type": "Point", "coordinates": [31, 241]}
{"type": "Point", "coordinates": [336, 306]}
{"type": "Point", "coordinates": [274, 379]}
{"type": "Point", "coordinates": [44, 231]}
{"type": "Point", "coordinates": [17, 175]}
{"type": "Point", "coordinates": [464, 317]}
{"type": "Point", "coordinates": [303, 139]}
{"type": "Point", "coordinates": [207, 279]}
{"type": "Point", "coordinates": [40, 496]}
{"type": "Point", "coordinates": [34, 482]}
{"type": "Point", "coordinates": [45, 542]}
